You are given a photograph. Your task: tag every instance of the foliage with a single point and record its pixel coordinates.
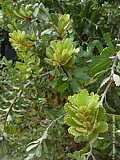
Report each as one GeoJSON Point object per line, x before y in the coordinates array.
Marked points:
{"type": "Point", "coordinates": [60, 99]}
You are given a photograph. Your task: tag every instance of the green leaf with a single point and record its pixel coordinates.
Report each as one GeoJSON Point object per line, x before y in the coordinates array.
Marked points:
{"type": "Point", "coordinates": [101, 127]}
{"type": "Point", "coordinates": [108, 40]}
{"type": "Point", "coordinates": [101, 62]}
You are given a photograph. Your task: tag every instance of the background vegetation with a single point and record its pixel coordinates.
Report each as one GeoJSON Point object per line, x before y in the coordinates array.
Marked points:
{"type": "Point", "coordinates": [54, 55]}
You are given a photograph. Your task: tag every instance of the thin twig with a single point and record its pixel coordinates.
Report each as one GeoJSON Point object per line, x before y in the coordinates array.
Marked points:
{"type": "Point", "coordinates": [45, 74]}
{"type": "Point", "coordinates": [111, 79]}
{"type": "Point", "coordinates": [20, 93]}
{"type": "Point", "coordinates": [15, 99]}
{"type": "Point", "coordinates": [115, 59]}
{"type": "Point", "coordinates": [44, 136]}
{"type": "Point", "coordinates": [90, 154]}
{"type": "Point", "coordinates": [113, 138]}
{"type": "Point", "coordinates": [64, 70]}
{"type": "Point", "coordinates": [105, 91]}
{"type": "Point", "coordinates": [12, 104]}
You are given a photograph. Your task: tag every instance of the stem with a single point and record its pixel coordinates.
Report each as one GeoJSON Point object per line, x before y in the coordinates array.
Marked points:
{"type": "Point", "coordinates": [105, 91]}
{"type": "Point", "coordinates": [104, 97]}
{"type": "Point", "coordinates": [110, 81]}
{"type": "Point", "coordinates": [64, 70]}
{"type": "Point", "coordinates": [12, 104]}
{"type": "Point", "coordinates": [113, 138]}
{"type": "Point", "coordinates": [18, 95]}
{"type": "Point", "coordinates": [45, 74]}
{"type": "Point", "coordinates": [90, 154]}
{"type": "Point", "coordinates": [14, 100]}
{"type": "Point", "coordinates": [45, 133]}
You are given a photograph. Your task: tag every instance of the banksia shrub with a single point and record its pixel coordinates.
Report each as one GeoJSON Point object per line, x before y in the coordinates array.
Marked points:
{"type": "Point", "coordinates": [85, 116]}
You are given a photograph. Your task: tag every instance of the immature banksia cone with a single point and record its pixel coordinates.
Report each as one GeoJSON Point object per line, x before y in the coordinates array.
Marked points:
{"type": "Point", "coordinates": [63, 25]}
{"type": "Point", "coordinates": [85, 115]}
{"type": "Point", "coordinates": [19, 39]}
{"type": "Point", "coordinates": [61, 53]}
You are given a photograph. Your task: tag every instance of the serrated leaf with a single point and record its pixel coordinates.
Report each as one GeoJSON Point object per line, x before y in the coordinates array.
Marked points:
{"type": "Point", "coordinates": [108, 39]}
{"type": "Point", "coordinates": [102, 127]}
{"type": "Point", "coordinates": [118, 55]}
{"type": "Point", "coordinates": [104, 82]}
{"type": "Point", "coordinates": [36, 11]}
{"type": "Point", "coordinates": [101, 62]}
{"type": "Point", "coordinates": [38, 151]}
{"type": "Point", "coordinates": [32, 146]}
{"type": "Point", "coordinates": [116, 79]}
